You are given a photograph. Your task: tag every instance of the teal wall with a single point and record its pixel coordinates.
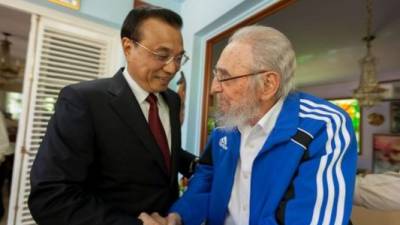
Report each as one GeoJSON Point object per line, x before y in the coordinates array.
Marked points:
{"type": "Point", "coordinates": [173, 5]}
{"type": "Point", "coordinates": [106, 12]}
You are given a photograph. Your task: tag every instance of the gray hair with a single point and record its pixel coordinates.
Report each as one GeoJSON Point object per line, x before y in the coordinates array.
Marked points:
{"type": "Point", "coordinates": [271, 50]}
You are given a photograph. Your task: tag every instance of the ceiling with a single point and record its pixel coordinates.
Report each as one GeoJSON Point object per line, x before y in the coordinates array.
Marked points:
{"type": "Point", "coordinates": [327, 37]}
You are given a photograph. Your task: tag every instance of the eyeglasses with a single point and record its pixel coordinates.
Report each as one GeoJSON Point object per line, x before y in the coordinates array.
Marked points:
{"type": "Point", "coordinates": [216, 72]}
{"type": "Point", "coordinates": [179, 60]}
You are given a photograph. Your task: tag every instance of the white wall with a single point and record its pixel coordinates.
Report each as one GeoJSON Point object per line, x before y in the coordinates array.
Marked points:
{"type": "Point", "coordinates": [168, 4]}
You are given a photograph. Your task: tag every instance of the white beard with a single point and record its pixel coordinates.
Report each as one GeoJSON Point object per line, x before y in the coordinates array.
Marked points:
{"type": "Point", "coordinates": [240, 113]}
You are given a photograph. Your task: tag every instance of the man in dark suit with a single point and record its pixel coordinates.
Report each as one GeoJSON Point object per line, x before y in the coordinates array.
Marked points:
{"type": "Point", "coordinates": [113, 146]}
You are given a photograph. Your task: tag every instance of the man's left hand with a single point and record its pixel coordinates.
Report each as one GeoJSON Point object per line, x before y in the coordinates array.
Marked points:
{"type": "Point", "coordinates": [154, 219]}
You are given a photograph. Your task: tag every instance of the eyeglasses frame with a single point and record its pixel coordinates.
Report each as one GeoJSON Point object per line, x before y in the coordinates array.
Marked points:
{"type": "Point", "coordinates": [184, 59]}
{"type": "Point", "coordinates": [237, 77]}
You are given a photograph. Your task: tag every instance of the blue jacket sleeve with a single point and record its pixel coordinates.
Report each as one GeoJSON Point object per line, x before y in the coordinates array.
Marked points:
{"type": "Point", "coordinates": [193, 205]}
{"type": "Point", "coordinates": [323, 187]}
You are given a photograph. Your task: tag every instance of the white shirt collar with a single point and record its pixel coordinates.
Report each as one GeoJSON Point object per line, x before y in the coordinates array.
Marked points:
{"type": "Point", "coordinates": [138, 91]}
{"type": "Point", "coordinates": [140, 95]}
{"type": "Point", "coordinates": [267, 122]}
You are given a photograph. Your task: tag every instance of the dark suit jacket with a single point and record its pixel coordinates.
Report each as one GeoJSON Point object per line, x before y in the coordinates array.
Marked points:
{"type": "Point", "coordinates": [98, 163]}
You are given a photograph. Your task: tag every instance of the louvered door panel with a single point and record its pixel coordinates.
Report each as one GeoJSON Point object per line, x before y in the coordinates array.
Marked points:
{"type": "Point", "coordinates": [64, 55]}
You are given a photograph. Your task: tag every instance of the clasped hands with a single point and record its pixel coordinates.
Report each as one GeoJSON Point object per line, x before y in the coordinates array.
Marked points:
{"type": "Point", "coordinates": [156, 219]}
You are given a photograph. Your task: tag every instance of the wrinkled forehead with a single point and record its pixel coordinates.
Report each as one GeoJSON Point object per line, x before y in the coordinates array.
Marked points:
{"type": "Point", "coordinates": [236, 57]}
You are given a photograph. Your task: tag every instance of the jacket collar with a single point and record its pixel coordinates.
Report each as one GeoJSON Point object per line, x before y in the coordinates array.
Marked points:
{"type": "Point", "coordinates": [287, 122]}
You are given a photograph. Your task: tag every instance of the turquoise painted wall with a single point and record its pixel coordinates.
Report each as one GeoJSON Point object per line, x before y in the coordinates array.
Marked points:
{"type": "Point", "coordinates": [106, 12]}
{"type": "Point", "coordinates": [173, 5]}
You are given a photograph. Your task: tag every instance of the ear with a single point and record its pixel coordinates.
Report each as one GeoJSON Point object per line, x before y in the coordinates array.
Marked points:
{"type": "Point", "coordinates": [272, 81]}
{"type": "Point", "coordinates": [126, 46]}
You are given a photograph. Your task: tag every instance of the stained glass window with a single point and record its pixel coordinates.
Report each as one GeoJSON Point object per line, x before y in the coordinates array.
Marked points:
{"type": "Point", "coordinates": [352, 107]}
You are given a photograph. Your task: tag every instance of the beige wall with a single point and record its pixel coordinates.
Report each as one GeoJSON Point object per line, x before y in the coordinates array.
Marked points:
{"type": "Point", "coordinates": [362, 216]}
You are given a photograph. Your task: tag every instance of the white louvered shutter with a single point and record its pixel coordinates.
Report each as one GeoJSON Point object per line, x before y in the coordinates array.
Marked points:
{"type": "Point", "coordinates": [64, 55]}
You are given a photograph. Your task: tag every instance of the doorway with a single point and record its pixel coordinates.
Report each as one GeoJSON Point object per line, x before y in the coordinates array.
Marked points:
{"type": "Point", "coordinates": [14, 35]}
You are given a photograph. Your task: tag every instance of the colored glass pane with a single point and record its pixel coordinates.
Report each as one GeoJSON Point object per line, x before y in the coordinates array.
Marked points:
{"type": "Point", "coordinates": [352, 107]}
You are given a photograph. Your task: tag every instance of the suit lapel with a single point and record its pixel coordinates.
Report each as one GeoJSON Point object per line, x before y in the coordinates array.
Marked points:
{"type": "Point", "coordinates": [126, 106]}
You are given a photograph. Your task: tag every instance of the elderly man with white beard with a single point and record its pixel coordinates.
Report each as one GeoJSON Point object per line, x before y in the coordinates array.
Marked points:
{"type": "Point", "coordinates": [278, 156]}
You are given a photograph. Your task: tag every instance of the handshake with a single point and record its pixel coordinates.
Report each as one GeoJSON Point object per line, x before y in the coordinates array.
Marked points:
{"type": "Point", "coordinates": [156, 219]}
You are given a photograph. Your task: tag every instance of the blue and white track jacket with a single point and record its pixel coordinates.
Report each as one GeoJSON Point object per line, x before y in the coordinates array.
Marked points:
{"type": "Point", "coordinates": [322, 184]}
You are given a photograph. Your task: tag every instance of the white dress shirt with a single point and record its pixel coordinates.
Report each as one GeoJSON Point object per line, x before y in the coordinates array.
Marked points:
{"type": "Point", "coordinates": [141, 95]}
{"type": "Point", "coordinates": [251, 141]}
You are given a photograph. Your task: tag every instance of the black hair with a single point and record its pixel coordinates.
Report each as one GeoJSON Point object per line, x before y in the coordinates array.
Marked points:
{"type": "Point", "coordinates": [135, 18]}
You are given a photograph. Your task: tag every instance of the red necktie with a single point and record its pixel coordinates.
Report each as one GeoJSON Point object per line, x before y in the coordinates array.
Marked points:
{"type": "Point", "coordinates": [157, 129]}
